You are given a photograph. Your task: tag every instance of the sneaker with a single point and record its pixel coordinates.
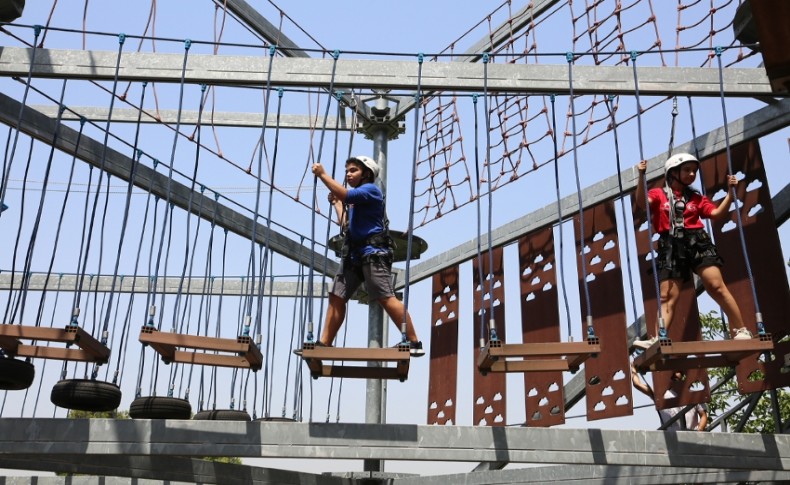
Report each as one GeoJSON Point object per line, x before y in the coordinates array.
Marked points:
{"type": "Point", "coordinates": [645, 344]}
{"type": "Point", "coordinates": [742, 333]}
{"type": "Point", "coordinates": [415, 349]}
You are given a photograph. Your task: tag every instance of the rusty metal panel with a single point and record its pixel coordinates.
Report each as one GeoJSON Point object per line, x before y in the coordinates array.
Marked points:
{"type": "Point", "coordinates": [608, 385]}
{"type": "Point", "coordinates": [684, 328]}
{"type": "Point", "coordinates": [489, 390]}
{"type": "Point", "coordinates": [443, 378]}
{"type": "Point", "coordinates": [770, 17]}
{"type": "Point", "coordinates": [540, 322]}
{"type": "Point", "coordinates": [762, 239]}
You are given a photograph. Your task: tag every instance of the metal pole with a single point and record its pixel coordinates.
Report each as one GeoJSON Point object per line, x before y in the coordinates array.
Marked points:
{"type": "Point", "coordinates": [375, 404]}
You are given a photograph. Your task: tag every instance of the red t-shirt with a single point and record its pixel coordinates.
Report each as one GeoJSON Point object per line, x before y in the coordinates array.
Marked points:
{"type": "Point", "coordinates": [697, 206]}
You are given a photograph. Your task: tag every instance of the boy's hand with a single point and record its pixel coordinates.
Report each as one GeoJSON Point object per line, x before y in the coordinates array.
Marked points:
{"type": "Point", "coordinates": [642, 167]}
{"type": "Point", "coordinates": [318, 169]}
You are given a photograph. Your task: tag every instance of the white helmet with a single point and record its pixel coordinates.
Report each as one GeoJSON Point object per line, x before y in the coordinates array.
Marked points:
{"type": "Point", "coordinates": [368, 162]}
{"type": "Point", "coordinates": [678, 160]}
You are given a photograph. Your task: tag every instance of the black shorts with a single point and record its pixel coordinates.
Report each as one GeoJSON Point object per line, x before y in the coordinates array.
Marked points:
{"type": "Point", "coordinates": [678, 258]}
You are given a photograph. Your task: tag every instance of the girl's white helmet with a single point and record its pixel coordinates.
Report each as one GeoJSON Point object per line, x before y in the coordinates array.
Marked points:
{"type": "Point", "coordinates": [678, 160]}
{"type": "Point", "coordinates": [368, 162]}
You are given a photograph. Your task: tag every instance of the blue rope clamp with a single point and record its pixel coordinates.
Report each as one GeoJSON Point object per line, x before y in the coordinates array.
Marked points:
{"type": "Point", "coordinates": [121, 38]}
{"type": "Point", "coordinates": [74, 315]}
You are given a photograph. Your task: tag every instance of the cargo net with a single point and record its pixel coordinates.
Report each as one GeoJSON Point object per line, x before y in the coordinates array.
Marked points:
{"type": "Point", "coordinates": [604, 32]}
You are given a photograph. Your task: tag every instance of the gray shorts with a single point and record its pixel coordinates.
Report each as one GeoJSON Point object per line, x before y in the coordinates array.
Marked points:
{"type": "Point", "coordinates": [375, 272]}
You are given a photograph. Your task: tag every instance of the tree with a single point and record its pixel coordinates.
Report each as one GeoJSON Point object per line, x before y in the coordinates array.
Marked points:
{"type": "Point", "coordinates": [727, 395]}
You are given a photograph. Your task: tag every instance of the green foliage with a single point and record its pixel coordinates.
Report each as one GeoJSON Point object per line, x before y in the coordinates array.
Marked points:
{"type": "Point", "coordinates": [727, 395]}
{"type": "Point", "coordinates": [233, 460]}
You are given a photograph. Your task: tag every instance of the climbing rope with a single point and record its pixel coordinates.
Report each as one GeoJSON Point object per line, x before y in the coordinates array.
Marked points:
{"type": "Point", "coordinates": [102, 161]}
{"type": "Point", "coordinates": [26, 268]}
{"type": "Point", "coordinates": [253, 238]}
{"type": "Point", "coordinates": [311, 273]}
{"type": "Point", "coordinates": [410, 229]}
{"type": "Point", "coordinates": [125, 332]}
{"type": "Point", "coordinates": [480, 276]}
{"type": "Point", "coordinates": [590, 330]}
{"type": "Point", "coordinates": [560, 219]}
{"type": "Point", "coordinates": [612, 109]}
{"type": "Point", "coordinates": [758, 314]}
{"type": "Point", "coordinates": [9, 155]}
{"type": "Point", "coordinates": [492, 333]}
{"type": "Point", "coordinates": [124, 222]}
{"type": "Point", "coordinates": [662, 332]}
{"type": "Point", "coordinates": [167, 222]}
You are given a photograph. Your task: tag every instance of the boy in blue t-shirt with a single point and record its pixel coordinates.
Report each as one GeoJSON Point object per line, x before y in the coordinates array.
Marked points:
{"type": "Point", "coordinates": [367, 255]}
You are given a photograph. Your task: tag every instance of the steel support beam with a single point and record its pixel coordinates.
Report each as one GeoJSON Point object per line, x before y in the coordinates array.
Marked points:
{"type": "Point", "coordinates": [258, 23]}
{"type": "Point", "coordinates": [381, 75]}
{"type": "Point", "coordinates": [170, 116]}
{"type": "Point", "coordinates": [127, 470]}
{"type": "Point", "coordinates": [754, 125]}
{"type": "Point", "coordinates": [102, 437]}
{"type": "Point", "coordinates": [600, 475]}
{"type": "Point", "coordinates": [89, 150]}
{"type": "Point", "coordinates": [169, 469]}
{"type": "Point", "coordinates": [169, 285]}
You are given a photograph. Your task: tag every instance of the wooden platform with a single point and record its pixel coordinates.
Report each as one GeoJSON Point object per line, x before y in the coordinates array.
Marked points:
{"type": "Point", "coordinates": [88, 349]}
{"type": "Point", "coordinates": [315, 358]}
{"type": "Point", "coordinates": [668, 355]}
{"type": "Point", "coordinates": [244, 353]}
{"type": "Point", "coordinates": [536, 357]}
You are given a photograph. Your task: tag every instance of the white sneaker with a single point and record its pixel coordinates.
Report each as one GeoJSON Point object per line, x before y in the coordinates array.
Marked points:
{"type": "Point", "coordinates": [742, 333]}
{"type": "Point", "coordinates": [645, 344]}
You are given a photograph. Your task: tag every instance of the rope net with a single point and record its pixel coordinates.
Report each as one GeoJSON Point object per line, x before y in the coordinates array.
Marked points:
{"type": "Point", "coordinates": [601, 34]}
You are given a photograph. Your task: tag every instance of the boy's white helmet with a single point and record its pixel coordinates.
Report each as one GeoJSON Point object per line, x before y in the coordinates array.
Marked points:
{"type": "Point", "coordinates": [678, 160]}
{"type": "Point", "coordinates": [368, 162]}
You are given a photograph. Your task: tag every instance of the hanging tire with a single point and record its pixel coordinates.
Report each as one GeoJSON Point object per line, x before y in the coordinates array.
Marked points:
{"type": "Point", "coordinates": [86, 395]}
{"type": "Point", "coordinates": [15, 374]}
{"type": "Point", "coordinates": [160, 407]}
{"type": "Point", "coordinates": [223, 415]}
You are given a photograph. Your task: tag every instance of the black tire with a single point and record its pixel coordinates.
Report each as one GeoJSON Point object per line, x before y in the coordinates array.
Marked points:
{"type": "Point", "coordinates": [160, 407]}
{"type": "Point", "coordinates": [86, 395]}
{"type": "Point", "coordinates": [15, 374]}
{"type": "Point", "coordinates": [223, 415]}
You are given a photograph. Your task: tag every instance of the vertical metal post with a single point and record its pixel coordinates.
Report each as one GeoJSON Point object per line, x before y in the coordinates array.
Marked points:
{"type": "Point", "coordinates": [376, 402]}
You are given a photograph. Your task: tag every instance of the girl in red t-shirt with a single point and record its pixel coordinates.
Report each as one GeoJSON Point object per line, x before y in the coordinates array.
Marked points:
{"type": "Point", "coordinates": [684, 247]}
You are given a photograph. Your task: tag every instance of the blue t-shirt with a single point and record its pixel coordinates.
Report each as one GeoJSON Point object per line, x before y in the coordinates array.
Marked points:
{"type": "Point", "coordinates": [366, 218]}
